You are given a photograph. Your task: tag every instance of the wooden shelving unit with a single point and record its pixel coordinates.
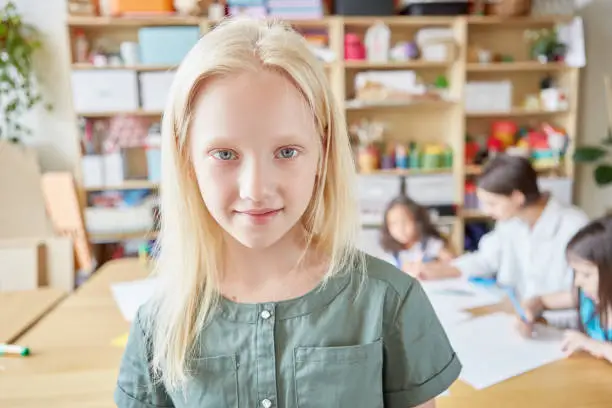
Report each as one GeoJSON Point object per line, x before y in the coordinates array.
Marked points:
{"type": "Point", "coordinates": [444, 121]}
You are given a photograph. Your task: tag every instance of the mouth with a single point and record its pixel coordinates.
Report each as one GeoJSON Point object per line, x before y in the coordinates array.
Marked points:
{"type": "Point", "coordinates": [260, 216]}
{"type": "Point", "coordinates": [260, 212]}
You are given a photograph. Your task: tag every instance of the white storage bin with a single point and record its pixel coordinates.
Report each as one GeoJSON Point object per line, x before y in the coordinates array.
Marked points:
{"type": "Point", "coordinates": [104, 91]}
{"type": "Point", "coordinates": [119, 220]}
{"type": "Point", "coordinates": [93, 170]}
{"type": "Point", "coordinates": [154, 90]}
{"type": "Point", "coordinates": [375, 192]}
{"type": "Point", "coordinates": [559, 188]}
{"type": "Point", "coordinates": [488, 96]}
{"type": "Point", "coordinates": [431, 189]}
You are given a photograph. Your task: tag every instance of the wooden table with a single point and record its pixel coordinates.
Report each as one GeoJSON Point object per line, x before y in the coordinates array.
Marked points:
{"type": "Point", "coordinates": [75, 365]}
{"type": "Point", "coordinates": [20, 310]}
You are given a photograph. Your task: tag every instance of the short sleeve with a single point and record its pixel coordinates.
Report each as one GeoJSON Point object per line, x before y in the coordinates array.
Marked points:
{"type": "Point", "coordinates": [136, 387]}
{"type": "Point", "coordinates": [420, 363]}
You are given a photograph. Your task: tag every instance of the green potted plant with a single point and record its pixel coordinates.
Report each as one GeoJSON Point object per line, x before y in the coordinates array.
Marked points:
{"type": "Point", "coordinates": [545, 45]}
{"type": "Point", "coordinates": [596, 155]}
{"type": "Point", "coordinates": [19, 89]}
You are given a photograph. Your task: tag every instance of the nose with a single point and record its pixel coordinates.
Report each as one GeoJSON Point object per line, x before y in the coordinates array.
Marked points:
{"type": "Point", "coordinates": [255, 180]}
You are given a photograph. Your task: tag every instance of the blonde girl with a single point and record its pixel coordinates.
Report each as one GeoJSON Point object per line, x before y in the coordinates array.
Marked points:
{"type": "Point", "coordinates": [264, 300]}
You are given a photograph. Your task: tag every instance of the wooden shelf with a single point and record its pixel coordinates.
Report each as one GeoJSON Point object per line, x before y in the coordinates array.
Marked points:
{"type": "Point", "coordinates": [517, 21]}
{"type": "Point", "coordinates": [474, 214]}
{"type": "Point", "coordinates": [414, 64]}
{"type": "Point", "coordinates": [407, 172]}
{"type": "Point", "coordinates": [399, 21]}
{"type": "Point", "coordinates": [475, 170]}
{"type": "Point", "coordinates": [110, 114]}
{"type": "Point", "coordinates": [162, 20]}
{"type": "Point", "coordinates": [139, 68]}
{"type": "Point", "coordinates": [127, 185]}
{"type": "Point", "coordinates": [515, 112]}
{"type": "Point", "coordinates": [122, 236]}
{"type": "Point", "coordinates": [522, 66]}
{"type": "Point", "coordinates": [354, 105]}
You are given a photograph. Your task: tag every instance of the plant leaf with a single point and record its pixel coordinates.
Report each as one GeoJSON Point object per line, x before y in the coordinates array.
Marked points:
{"type": "Point", "coordinates": [589, 154]}
{"type": "Point", "coordinates": [603, 174]}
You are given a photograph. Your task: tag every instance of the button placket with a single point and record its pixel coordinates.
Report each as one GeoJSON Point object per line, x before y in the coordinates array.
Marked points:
{"type": "Point", "coordinates": [266, 357]}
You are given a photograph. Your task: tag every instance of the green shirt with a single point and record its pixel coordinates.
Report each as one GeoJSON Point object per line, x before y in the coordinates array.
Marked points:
{"type": "Point", "coordinates": [349, 344]}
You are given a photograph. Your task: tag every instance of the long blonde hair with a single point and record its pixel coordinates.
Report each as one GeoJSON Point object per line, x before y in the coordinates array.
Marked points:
{"type": "Point", "coordinates": [190, 253]}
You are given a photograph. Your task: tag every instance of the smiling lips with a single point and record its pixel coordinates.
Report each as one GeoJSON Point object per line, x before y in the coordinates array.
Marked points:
{"type": "Point", "coordinates": [260, 216]}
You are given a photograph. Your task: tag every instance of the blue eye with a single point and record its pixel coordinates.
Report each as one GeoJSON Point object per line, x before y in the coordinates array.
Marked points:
{"type": "Point", "coordinates": [224, 155]}
{"type": "Point", "coordinates": [287, 153]}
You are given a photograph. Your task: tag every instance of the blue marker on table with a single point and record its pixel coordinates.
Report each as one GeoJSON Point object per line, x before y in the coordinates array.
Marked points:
{"type": "Point", "coordinates": [516, 304]}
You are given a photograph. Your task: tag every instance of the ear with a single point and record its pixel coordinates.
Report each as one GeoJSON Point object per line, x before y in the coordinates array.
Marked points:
{"type": "Point", "coordinates": [518, 198]}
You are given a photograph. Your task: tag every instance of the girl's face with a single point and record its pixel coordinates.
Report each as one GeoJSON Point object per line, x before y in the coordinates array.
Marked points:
{"type": "Point", "coordinates": [401, 224]}
{"type": "Point", "coordinates": [255, 152]}
{"type": "Point", "coordinates": [586, 277]}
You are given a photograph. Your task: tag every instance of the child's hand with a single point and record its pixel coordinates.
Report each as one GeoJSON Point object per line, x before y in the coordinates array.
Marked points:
{"type": "Point", "coordinates": [414, 269]}
{"type": "Point", "coordinates": [533, 309]}
{"type": "Point", "coordinates": [574, 341]}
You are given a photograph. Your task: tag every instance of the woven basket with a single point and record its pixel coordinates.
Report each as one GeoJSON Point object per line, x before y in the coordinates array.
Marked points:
{"type": "Point", "coordinates": [509, 8]}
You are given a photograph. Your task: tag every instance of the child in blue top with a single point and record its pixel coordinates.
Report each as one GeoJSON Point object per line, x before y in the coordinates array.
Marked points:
{"type": "Point", "coordinates": [589, 253]}
{"type": "Point", "coordinates": [410, 238]}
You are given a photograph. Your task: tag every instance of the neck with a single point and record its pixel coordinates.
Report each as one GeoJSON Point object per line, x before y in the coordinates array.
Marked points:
{"type": "Point", "coordinates": [256, 265]}
{"type": "Point", "coordinates": [532, 213]}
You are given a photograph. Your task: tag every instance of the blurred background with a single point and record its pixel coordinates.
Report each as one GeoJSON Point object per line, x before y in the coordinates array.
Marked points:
{"type": "Point", "coordinates": [431, 91]}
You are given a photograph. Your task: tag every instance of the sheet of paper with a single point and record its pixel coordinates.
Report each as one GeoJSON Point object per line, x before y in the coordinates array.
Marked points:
{"type": "Point", "coordinates": [450, 316]}
{"type": "Point", "coordinates": [459, 294]}
{"type": "Point", "coordinates": [491, 349]}
{"type": "Point", "coordinates": [131, 295]}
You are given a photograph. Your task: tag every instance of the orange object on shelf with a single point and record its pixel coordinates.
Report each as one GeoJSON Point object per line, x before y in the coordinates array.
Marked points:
{"type": "Point", "coordinates": [504, 131]}
{"type": "Point", "coordinates": [141, 6]}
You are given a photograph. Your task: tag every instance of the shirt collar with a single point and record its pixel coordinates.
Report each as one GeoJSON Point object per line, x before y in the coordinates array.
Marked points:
{"type": "Point", "coordinates": [547, 224]}
{"type": "Point", "coordinates": [316, 299]}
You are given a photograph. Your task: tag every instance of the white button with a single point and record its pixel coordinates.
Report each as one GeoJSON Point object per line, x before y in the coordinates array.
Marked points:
{"type": "Point", "coordinates": [266, 403]}
{"type": "Point", "coordinates": [265, 315]}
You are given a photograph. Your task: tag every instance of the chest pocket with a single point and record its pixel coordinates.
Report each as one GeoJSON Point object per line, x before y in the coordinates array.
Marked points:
{"type": "Point", "coordinates": [339, 377]}
{"type": "Point", "coordinates": [213, 383]}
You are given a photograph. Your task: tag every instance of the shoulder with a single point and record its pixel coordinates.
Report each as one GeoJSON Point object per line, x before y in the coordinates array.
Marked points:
{"type": "Point", "coordinates": [572, 217]}
{"type": "Point", "coordinates": [382, 275]}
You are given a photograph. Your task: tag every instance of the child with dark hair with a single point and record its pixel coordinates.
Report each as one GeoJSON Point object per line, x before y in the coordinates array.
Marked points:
{"type": "Point", "coordinates": [589, 253]}
{"type": "Point", "coordinates": [409, 236]}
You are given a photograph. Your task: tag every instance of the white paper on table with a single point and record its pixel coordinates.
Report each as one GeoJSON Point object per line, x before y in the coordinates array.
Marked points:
{"type": "Point", "coordinates": [491, 349]}
{"type": "Point", "coordinates": [459, 294]}
{"type": "Point", "coordinates": [131, 295]}
{"type": "Point", "coordinates": [450, 316]}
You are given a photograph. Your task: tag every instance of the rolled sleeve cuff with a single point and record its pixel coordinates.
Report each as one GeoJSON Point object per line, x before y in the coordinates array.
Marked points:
{"type": "Point", "coordinates": [430, 389]}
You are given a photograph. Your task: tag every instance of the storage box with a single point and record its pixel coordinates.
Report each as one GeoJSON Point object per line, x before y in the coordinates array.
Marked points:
{"type": "Point", "coordinates": [154, 89]}
{"type": "Point", "coordinates": [104, 91]}
{"type": "Point", "coordinates": [488, 96]}
{"type": "Point", "coordinates": [559, 187]}
{"type": "Point", "coordinates": [141, 6]}
{"type": "Point", "coordinates": [166, 45]}
{"type": "Point", "coordinates": [374, 194]}
{"type": "Point", "coordinates": [119, 220]}
{"type": "Point", "coordinates": [436, 7]}
{"type": "Point", "coordinates": [431, 189]}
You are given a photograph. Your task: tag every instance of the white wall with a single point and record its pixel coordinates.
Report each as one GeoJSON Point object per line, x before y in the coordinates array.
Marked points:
{"type": "Point", "coordinates": [54, 133]}
{"type": "Point", "coordinates": [593, 120]}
